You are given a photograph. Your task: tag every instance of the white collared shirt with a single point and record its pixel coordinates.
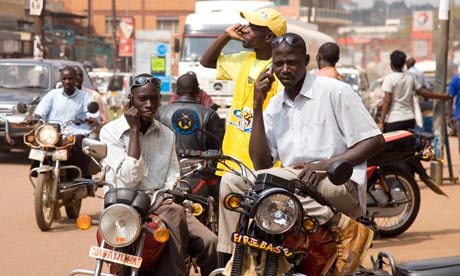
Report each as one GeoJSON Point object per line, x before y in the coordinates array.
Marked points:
{"type": "Point", "coordinates": [324, 120]}
{"type": "Point", "coordinates": [156, 168]}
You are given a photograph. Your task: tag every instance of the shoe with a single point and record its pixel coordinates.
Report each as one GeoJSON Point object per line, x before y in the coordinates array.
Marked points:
{"type": "Point", "coordinates": [352, 239]}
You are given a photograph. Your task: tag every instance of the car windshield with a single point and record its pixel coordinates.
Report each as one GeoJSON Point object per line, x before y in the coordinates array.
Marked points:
{"type": "Point", "coordinates": [17, 76]}
{"type": "Point", "coordinates": [194, 47]}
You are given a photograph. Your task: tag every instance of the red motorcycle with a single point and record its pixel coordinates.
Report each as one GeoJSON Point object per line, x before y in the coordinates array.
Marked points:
{"type": "Point", "coordinates": [130, 235]}
{"type": "Point", "coordinates": [393, 196]}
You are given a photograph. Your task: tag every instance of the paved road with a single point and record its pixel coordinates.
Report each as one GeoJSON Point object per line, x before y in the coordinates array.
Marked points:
{"type": "Point", "coordinates": [28, 251]}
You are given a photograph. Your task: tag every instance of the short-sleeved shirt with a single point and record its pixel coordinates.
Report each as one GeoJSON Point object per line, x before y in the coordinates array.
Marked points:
{"type": "Point", "coordinates": [58, 106]}
{"type": "Point", "coordinates": [324, 120]}
{"type": "Point", "coordinates": [454, 91]}
{"type": "Point", "coordinates": [156, 168]}
{"type": "Point", "coordinates": [402, 86]}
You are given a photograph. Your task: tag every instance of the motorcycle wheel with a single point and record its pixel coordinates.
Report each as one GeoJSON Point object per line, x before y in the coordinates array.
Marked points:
{"type": "Point", "coordinates": [72, 209]}
{"type": "Point", "coordinates": [398, 180]}
{"type": "Point", "coordinates": [44, 208]}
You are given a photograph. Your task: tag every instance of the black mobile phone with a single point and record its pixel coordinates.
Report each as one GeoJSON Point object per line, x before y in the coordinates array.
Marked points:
{"type": "Point", "coordinates": [131, 101]}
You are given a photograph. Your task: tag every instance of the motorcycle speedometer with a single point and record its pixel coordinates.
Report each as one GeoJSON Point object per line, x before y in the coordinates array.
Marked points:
{"type": "Point", "coordinates": [277, 213]}
{"type": "Point", "coordinates": [47, 135]}
{"type": "Point", "coordinates": [120, 225]}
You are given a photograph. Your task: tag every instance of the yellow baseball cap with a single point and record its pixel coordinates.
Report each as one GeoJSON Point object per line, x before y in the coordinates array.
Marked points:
{"type": "Point", "coordinates": [266, 17]}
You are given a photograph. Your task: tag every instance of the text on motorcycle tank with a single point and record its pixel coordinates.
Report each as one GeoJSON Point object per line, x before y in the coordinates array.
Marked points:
{"type": "Point", "coordinates": [262, 245]}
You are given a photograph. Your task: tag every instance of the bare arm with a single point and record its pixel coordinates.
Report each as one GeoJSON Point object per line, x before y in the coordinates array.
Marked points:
{"type": "Point", "coordinates": [209, 58]}
{"type": "Point", "coordinates": [356, 155]}
{"type": "Point", "coordinates": [385, 108]}
{"type": "Point", "coordinates": [427, 94]}
{"type": "Point", "coordinates": [258, 143]}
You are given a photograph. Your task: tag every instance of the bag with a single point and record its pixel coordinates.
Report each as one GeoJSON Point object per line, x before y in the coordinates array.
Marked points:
{"type": "Point", "coordinates": [418, 112]}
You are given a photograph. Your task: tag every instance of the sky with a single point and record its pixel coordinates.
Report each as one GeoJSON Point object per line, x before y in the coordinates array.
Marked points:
{"type": "Point", "coordinates": [368, 3]}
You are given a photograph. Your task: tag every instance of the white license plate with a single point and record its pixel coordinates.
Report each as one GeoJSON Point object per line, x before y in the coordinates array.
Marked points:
{"type": "Point", "coordinates": [60, 155]}
{"type": "Point", "coordinates": [36, 154]}
{"type": "Point", "coordinates": [115, 257]}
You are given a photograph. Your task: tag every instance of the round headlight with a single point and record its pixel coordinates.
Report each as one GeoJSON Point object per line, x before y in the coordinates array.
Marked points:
{"type": "Point", "coordinates": [120, 225]}
{"type": "Point", "coordinates": [47, 135]}
{"type": "Point", "coordinates": [277, 213]}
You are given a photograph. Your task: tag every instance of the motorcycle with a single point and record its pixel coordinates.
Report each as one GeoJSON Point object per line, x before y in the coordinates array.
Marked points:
{"type": "Point", "coordinates": [54, 186]}
{"type": "Point", "coordinates": [393, 196]}
{"type": "Point", "coordinates": [198, 178]}
{"type": "Point", "coordinates": [274, 232]}
{"type": "Point", "coordinates": [130, 235]}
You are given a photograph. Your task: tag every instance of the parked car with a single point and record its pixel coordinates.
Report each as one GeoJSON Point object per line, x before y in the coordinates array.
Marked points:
{"type": "Point", "coordinates": [356, 78]}
{"type": "Point", "coordinates": [27, 81]}
{"type": "Point", "coordinates": [119, 89]}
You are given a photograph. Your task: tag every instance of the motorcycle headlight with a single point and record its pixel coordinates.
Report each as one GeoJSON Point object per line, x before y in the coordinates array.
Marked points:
{"type": "Point", "coordinates": [277, 213]}
{"type": "Point", "coordinates": [120, 225]}
{"type": "Point", "coordinates": [47, 135]}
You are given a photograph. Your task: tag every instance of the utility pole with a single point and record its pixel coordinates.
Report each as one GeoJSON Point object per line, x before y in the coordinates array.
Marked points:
{"type": "Point", "coordinates": [114, 36]}
{"type": "Point", "coordinates": [439, 120]}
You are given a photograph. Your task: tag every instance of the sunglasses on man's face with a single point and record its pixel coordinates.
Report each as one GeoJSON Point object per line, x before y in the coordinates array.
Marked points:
{"type": "Point", "coordinates": [141, 81]}
{"type": "Point", "coordinates": [293, 41]}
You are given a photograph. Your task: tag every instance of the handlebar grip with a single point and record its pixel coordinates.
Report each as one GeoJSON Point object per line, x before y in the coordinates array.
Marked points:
{"type": "Point", "coordinates": [208, 154]}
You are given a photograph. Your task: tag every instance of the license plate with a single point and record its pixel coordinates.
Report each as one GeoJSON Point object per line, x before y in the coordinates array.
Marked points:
{"type": "Point", "coordinates": [115, 257]}
{"type": "Point", "coordinates": [36, 154]}
{"type": "Point", "coordinates": [60, 155]}
{"type": "Point", "coordinates": [262, 245]}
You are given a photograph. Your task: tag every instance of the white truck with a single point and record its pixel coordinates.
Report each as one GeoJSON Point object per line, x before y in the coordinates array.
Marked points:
{"type": "Point", "coordinates": [210, 19]}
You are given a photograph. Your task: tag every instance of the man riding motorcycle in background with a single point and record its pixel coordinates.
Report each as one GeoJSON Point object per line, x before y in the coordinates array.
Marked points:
{"type": "Point", "coordinates": [141, 154]}
{"type": "Point", "coordinates": [66, 104]}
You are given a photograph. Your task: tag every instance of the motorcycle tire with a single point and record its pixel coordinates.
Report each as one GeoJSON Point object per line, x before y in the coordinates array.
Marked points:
{"type": "Point", "coordinates": [44, 208]}
{"type": "Point", "coordinates": [398, 180]}
{"type": "Point", "coordinates": [72, 209]}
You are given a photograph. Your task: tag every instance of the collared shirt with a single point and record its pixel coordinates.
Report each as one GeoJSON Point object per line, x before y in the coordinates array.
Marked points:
{"type": "Point", "coordinates": [418, 74]}
{"type": "Point", "coordinates": [324, 120]}
{"type": "Point", "coordinates": [60, 107]}
{"type": "Point", "coordinates": [156, 168]}
{"type": "Point", "coordinates": [103, 112]}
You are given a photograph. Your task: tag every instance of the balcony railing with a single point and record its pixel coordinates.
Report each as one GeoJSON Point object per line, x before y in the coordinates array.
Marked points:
{"type": "Point", "coordinates": [321, 15]}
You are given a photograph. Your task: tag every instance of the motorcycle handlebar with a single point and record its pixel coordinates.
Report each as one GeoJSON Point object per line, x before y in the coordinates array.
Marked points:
{"type": "Point", "coordinates": [189, 196]}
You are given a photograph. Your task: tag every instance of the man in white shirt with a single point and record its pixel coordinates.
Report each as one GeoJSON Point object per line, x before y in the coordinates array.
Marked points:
{"type": "Point", "coordinates": [316, 120]}
{"type": "Point", "coordinates": [141, 154]}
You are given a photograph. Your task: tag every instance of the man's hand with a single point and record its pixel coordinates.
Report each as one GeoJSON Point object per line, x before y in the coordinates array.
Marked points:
{"type": "Point", "coordinates": [236, 31]}
{"type": "Point", "coordinates": [262, 85]}
{"type": "Point", "coordinates": [308, 174]}
{"type": "Point", "coordinates": [133, 116]}
{"type": "Point", "coordinates": [91, 122]}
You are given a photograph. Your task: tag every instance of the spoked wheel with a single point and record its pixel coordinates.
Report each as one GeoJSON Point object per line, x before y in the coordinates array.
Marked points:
{"type": "Point", "coordinates": [44, 208]}
{"type": "Point", "coordinates": [72, 209]}
{"type": "Point", "coordinates": [404, 205]}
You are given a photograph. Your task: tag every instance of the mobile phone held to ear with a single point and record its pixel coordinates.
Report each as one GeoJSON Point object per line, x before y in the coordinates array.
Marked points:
{"type": "Point", "coordinates": [131, 101]}
{"type": "Point", "coordinates": [270, 69]}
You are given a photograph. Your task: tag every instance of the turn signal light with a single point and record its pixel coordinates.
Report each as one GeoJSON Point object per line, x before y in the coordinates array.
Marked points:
{"type": "Point", "coordinates": [161, 235]}
{"type": "Point", "coordinates": [84, 222]}
{"type": "Point", "coordinates": [70, 139]}
{"type": "Point", "coordinates": [232, 201]}
{"type": "Point", "coordinates": [310, 225]}
{"type": "Point", "coordinates": [197, 209]}
{"type": "Point", "coordinates": [30, 139]}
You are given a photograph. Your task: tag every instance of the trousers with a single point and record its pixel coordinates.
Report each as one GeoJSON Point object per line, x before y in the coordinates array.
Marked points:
{"type": "Point", "coordinates": [343, 197]}
{"type": "Point", "coordinates": [187, 236]}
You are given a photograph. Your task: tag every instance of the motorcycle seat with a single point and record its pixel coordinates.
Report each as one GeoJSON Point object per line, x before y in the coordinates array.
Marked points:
{"type": "Point", "coordinates": [445, 266]}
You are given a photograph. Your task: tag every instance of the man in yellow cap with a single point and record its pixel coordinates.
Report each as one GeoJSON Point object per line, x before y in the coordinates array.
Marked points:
{"type": "Point", "coordinates": [243, 68]}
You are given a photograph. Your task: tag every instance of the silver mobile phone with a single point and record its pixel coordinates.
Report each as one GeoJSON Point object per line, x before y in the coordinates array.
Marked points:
{"type": "Point", "coordinates": [270, 70]}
